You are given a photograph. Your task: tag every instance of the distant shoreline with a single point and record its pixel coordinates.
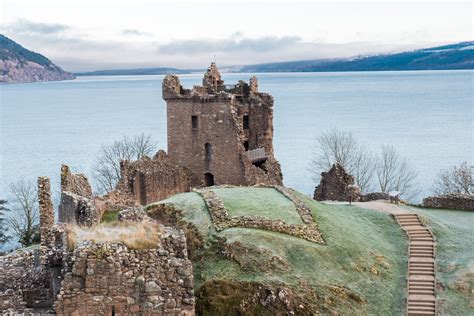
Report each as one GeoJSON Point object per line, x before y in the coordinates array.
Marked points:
{"type": "Point", "coordinates": [266, 72]}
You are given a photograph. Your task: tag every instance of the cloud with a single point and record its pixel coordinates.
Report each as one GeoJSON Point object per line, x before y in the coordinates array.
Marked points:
{"type": "Point", "coordinates": [23, 26]}
{"type": "Point", "coordinates": [234, 44]}
{"type": "Point", "coordinates": [134, 32]}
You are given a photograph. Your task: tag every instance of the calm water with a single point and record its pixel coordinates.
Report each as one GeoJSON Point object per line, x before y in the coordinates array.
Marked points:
{"type": "Point", "coordinates": [427, 116]}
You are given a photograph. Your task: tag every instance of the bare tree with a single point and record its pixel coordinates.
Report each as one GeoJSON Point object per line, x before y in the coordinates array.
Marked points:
{"type": "Point", "coordinates": [107, 166]}
{"type": "Point", "coordinates": [24, 215]}
{"type": "Point", "coordinates": [395, 174]}
{"type": "Point", "coordinates": [3, 229]}
{"type": "Point", "coordinates": [341, 147]}
{"type": "Point", "coordinates": [458, 179]}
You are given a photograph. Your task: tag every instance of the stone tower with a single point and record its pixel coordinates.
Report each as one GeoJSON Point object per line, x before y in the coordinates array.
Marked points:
{"type": "Point", "coordinates": [222, 133]}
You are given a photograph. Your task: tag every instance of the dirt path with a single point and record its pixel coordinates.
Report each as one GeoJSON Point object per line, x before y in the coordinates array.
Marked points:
{"type": "Point", "coordinates": [421, 294]}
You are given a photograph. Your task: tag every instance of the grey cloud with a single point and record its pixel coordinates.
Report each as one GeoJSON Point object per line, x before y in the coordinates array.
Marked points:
{"type": "Point", "coordinates": [233, 44]}
{"type": "Point", "coordinates": [134, 32]}
{"type": "Point", "coordinates": [23, 26]}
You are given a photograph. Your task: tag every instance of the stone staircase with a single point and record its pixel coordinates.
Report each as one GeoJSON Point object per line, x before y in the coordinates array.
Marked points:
{"type": "Point", "coordinates": [421, 266]}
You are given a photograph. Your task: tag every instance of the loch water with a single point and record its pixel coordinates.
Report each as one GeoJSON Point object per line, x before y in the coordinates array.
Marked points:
{"type": "Point", "coordinates": [426, 115]}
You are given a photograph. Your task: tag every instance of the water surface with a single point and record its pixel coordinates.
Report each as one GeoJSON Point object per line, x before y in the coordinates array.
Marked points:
{"type": "Point", "coordinates": [426, 115]}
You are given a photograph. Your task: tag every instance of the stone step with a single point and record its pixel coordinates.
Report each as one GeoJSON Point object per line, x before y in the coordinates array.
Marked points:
{"type": "Point", "coordinates": [419, 313]}
{"type": "Point", "coordinates": [415, 259]}
{"type": "Point", "coordinates": [421, 308]}
{"type": "Point", "coordinates": [422, 303]}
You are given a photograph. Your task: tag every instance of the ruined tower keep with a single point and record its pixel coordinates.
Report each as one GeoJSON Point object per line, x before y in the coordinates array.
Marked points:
{"type": "Point", "coordinates": [222, 133]}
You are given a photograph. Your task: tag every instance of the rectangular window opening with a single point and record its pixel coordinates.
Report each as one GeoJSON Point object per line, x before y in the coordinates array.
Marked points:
{"type": "Point", "coordinates": [246, 145]}
{"type": "Point", "coordinates": [194, 121]}
{"type": "Point", "coordinates": [246, 122]}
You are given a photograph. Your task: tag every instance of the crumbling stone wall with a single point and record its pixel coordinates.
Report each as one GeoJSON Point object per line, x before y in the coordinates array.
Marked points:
{"type": "Point", "coordinates": [46, 211]}
{"type": "Point", "coordinates": [24, 284]}
{"type": "Point", "coordinates": [211, 128]}
{"type": "Point", "coordinates": [111, 278]}
{"type": "Point", "coordinates": [450, 201]}
{"type": "Point", "coordinates": [77, 201]}
{"type": "Point", "coordinates": [336, 185]}
{"type": "Point", "coordinates": [150, 180]}
{"type": "Point", "coordinates": [75, 183]}
{"type": "Point", "coordinates": [222, 220]}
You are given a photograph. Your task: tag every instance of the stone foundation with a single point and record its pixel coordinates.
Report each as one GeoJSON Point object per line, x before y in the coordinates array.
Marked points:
{"type": "Point", "coordinates": [222, 220]}
{"type": "Point", "coordinates": [450, 201]}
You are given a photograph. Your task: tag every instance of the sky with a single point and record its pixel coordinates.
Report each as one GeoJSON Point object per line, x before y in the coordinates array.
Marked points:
{"type": "Point", "coordinates": [111, 34]}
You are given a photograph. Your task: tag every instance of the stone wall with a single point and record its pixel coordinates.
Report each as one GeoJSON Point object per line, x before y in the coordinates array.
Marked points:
{"type": "Point", "coordinates": [373, 196]}
{"type": "Point", "coordinates": [46, 211]}
{"type": "Point", "coordinates": [77, 204]}
{"type": "Point", "coordinates": [76, 209]}
{"type": "Point", "coordinates": [222, 220]}
{"type": "Point", "coordinates": [450, 201]}
{"type": "Point", "coordinates": [110, 278]}
{"type": "Point", "coordinates": [336, 185]}
{"type": "Point", "coordinates": [75, 183]}
{"type": "Point", "coordinates": [210, 128]}
{"type": "Point", "coordinates": [150, 180]}
{"type": "Point", "coordinates": [98, 278]}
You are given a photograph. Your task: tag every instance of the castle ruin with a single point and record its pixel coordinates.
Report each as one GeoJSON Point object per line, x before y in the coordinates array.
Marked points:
{"type": "Point", "coordinates": [222, 133]}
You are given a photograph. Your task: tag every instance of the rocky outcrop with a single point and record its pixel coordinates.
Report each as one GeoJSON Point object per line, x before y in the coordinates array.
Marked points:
{"type": "Point", "coordinates": [450, 201]}
{"type": "Point", "coordinates": [337, 185]}
{"type": "Point", "coordinates": [18, 64]}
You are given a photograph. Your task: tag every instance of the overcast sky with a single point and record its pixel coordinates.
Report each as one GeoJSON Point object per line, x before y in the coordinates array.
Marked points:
{"type": "Point", "coordinates": [106, 34]}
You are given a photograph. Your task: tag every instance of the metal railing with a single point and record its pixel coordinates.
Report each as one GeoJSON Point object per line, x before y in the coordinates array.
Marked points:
{"type": "Point", "coordinates": [256, 154]}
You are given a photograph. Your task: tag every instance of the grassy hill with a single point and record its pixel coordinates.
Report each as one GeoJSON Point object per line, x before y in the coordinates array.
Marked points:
{"type": "Point", "coordinates": [359, 270]}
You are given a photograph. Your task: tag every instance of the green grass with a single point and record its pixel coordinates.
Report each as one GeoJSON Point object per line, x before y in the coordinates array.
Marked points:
{"type": "Point", "coordinates": [194, 210]}
{"type": "Point", "coordinates": [454, 232]}
{"type": "Point", "coordinates": [109, 216]}
{"type": "Point", "coordinates": [264, 202]}
{"type": "Point", "coordinates": [365, 252]}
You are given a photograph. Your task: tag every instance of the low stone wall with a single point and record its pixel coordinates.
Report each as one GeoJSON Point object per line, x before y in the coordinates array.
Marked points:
{"type": "Point", "coordinates": [223, 220]}
{"type": "Point", "coordinates": [110, 278]}
{"type": "Point", "coordinates": [450, 201]}
{"type": "Point", "coordinates": [374, 196]}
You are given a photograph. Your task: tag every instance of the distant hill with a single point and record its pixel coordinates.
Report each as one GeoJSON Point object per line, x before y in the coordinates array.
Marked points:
{"type": "Point", "coordinates": [138, 71]}
{"type": "Point", "coordinates": [454, 56]}
{"type": "Point", "coordinates": [18, 64]}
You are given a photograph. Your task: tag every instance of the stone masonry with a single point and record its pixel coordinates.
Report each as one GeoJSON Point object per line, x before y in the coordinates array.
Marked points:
{"type": "Point", "coordinates": [77, 201]}
{"type": "Point", "coordinates": [336, 185]}
{"type": "Point", "coordinates": [46, 210]}
{"type": "Point", "coordinates": [150, 180]}
{"type": "Point", "coordinates": [222, 133]}
{"type": "Point", "coordinates": [450, 201]}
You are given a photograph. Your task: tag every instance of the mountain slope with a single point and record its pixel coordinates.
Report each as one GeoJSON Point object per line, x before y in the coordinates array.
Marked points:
{"type": "Point", "coordinates": [134, 72]}
{"type": "Point", "coordinates": [18, 64]}
{"type": "Point", "coordinates": [454, 56]}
